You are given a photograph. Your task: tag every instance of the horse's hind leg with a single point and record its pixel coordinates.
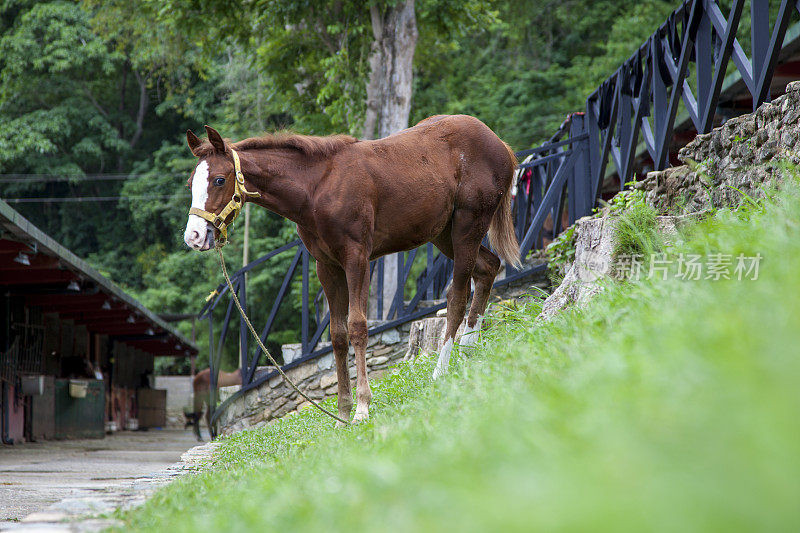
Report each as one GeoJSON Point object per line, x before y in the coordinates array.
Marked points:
{"type": "Point", "coordinates": [466, 234]}
{"type": "Point", "coordinates": [486, 268]}
{"type": "Point", "coordinates": [197, 417]}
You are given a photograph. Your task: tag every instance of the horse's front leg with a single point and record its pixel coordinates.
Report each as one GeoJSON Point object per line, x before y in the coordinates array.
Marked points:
{"type": "Point", "coordinates": [357, 271]}
{"type": "Point", "coordinates": [334, 283]}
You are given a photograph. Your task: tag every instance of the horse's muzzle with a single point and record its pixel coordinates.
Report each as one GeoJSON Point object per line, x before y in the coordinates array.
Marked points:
{"type": "Point", "coordinates": [209, 242]}
{"type": "Point", "coordinates": [200, 238]}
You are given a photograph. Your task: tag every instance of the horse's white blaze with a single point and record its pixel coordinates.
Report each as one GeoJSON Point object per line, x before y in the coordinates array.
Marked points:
{"type": "Point", "coordinates": [196, 227]}
{"type": "Point", "coordinates": [444, 359]}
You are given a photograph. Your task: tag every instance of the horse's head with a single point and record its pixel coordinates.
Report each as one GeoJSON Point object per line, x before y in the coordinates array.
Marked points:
{"type": "Point", "coordinates": [213, 185]}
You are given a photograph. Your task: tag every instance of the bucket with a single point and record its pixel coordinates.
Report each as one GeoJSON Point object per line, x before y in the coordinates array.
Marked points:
{"type": "Point", "coordinates": [78, 388]}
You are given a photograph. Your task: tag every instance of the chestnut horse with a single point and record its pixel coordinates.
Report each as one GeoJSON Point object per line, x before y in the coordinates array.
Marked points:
{"type": "Point", "coordinates": [201, 384]}
{"type": "Point", "coordinates": [445, 180]}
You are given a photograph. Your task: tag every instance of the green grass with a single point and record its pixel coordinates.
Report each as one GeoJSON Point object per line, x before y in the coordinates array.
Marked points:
{"type": "Point", "coordinates": [663, 405]}
{"type": "Point", "coordinates": [637, 231]}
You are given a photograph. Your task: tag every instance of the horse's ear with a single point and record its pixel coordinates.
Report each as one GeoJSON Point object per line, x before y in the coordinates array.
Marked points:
{"type": "Point", "coordinates": [215, 139]}
{"type": "Point", "coordinates": [193, 141]}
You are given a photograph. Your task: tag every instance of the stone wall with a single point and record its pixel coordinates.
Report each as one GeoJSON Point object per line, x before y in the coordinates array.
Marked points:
{"type": "Point", "coordinates": [744, 153]}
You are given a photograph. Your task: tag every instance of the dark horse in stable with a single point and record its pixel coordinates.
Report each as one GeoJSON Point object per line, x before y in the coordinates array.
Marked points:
{"type": "Point", "coordinates": [445, 180]}
{"type": "Point", "coordinates": [201, 385]}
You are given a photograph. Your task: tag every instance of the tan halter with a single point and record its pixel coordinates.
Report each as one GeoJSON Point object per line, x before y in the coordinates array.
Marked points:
{"type": "Point", "coordinates": [226, 217]}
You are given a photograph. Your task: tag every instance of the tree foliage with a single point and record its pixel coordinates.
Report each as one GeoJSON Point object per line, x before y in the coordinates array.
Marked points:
{"type": "Point", "coordinates": [96, 87]}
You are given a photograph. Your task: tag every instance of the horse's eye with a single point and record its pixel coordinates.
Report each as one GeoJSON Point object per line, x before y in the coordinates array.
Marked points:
{"type": "Point", "coordinates": [219, 182]}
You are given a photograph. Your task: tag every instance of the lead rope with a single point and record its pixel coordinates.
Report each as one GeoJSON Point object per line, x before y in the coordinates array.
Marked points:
{"type": "Point", "coordinates": [218, 248]}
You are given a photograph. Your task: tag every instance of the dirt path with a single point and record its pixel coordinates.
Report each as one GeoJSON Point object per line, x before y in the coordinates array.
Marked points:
{"type": "Point", "coordinates": [35, 475]}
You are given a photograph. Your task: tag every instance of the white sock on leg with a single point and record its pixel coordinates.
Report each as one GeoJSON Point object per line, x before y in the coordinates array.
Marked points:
{"type": "Point", "coordinates": [444, 359]}
{"type": "Point", "coordinates": [470, 336]}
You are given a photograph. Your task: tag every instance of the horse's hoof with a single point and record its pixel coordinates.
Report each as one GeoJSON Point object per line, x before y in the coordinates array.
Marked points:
{"type": "Point", "coordinates": [360, 417]}
{"type": "Point", "coordinates": [440, 370]}
{"type": "Point", "coordinates": [443, 362]}
{"type": "Point", "coordinates": [470, 336]}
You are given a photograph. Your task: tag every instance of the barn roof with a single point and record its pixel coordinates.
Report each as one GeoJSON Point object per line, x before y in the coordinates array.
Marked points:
{"type": "Point", "coordinates": [48, 275]}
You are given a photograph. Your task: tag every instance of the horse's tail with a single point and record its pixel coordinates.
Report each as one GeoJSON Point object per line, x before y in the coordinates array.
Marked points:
{"type": "Point", "coordinates": [502, 236]}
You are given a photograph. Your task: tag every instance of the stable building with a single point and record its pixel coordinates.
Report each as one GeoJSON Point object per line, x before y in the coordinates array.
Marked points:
{"type": "Point", "coordinates": [76, 352]}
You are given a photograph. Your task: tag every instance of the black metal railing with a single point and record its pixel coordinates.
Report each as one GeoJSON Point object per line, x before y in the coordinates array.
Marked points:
{"type": "Point", "coordinates": [644, 94]}
{"type": "Point", "coordinates": [564, 176]}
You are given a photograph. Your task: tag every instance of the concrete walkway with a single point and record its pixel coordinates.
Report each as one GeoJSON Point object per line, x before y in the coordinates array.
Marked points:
{"type": "Point", "coordinates": [56, 480]}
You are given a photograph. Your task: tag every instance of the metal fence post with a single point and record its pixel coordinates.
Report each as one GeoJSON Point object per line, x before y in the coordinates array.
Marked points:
{"type": "Point", "coordinates": [665, 133]}
{"type": "Point", "coordinates": [304, 312]}
{"type": "Point", "coordinates": [580, 190]}
{"type": "Point", "coordinates": [398, 295]}
{"type": "Point", "coordinates": [762, 78]}
{"type": "Point", "coordinates": [704, 62]}
{"type": "Point", "coordinates": [759, 41]}
{"type": "Point", "coordinates": [429, 271]}
{"type": "Point", "coordinates": [379, 313]}
{"type": "Point", "coordinates": [213, 368]}
{"type": "Point", "coordinates": [572, 181]}
{"type": "Point", "coordinates": [243, 331]}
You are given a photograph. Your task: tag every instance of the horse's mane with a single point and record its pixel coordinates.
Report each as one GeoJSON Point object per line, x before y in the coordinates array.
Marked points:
{"type": "Point", "coordinates": [310, 145]}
